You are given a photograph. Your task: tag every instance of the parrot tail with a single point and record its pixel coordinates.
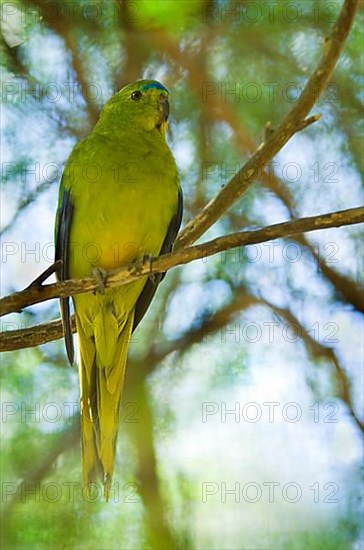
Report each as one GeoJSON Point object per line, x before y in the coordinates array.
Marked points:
{"type": "Point", "coordinates": [102, 369]}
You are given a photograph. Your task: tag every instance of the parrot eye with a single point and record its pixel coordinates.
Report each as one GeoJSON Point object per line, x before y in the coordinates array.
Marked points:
{"type": "Point", "coordinates": [135, 96]}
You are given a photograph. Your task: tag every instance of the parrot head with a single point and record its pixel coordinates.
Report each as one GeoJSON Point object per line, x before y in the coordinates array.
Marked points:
{"type": "Point", "coordinates": [143, 103]}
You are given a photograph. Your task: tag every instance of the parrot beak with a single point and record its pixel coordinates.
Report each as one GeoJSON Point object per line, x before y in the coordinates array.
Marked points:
{"type": "Point", "coordinates": [163, 106]}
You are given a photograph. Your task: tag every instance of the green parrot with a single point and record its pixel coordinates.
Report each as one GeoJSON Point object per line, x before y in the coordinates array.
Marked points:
{"type": "Point", "coordinates": [120, 200]}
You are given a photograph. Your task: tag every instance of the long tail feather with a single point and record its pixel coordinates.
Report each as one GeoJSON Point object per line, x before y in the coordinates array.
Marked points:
{"type": "Point", "coordinates": [101, 392]}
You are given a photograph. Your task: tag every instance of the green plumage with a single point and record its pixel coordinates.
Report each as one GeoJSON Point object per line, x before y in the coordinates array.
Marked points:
{"type": "Point", "coordinates": [120, 200]}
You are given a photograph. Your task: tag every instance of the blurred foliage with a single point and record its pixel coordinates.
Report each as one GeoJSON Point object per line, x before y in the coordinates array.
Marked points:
{"type": "Point", "coordinates": [231, 67]}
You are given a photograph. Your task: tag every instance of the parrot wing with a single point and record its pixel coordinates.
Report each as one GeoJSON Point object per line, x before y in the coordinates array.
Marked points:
{"type": "Point", "coordinates": [64, 218]}
{"type": "Point", "coordinates": [150, 287]}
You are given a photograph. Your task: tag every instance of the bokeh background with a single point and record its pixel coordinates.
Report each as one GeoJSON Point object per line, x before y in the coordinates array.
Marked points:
{"type": "Point", "coordinates": [242, 417]}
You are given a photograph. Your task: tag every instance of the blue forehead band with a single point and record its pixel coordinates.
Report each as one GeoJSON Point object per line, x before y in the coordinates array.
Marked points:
{"type": "Point", "coordinates": [156, 85]}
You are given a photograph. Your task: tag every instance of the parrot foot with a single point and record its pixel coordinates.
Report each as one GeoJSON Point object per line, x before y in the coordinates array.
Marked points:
{"type": "Point", "coordinates": [101, 277]}
{"type": "Point", "coordinates": [149, 258]}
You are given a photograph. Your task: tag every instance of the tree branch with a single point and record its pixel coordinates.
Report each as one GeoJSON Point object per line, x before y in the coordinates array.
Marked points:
{"type": "Point", "coordinates": [131, 272]}
{"type": "Point", "coordinates": [316, 349]}
{"type": "Point", "coordinates": [344, 287]}
{"type": "Point", "coordinates": [292, 123]}
{"type": "Point", "coordinates": [16, 339]}
{"type": "Point", "coordinates": [47, 332]}
{"type": "Point", "coordinates": [22, 338]}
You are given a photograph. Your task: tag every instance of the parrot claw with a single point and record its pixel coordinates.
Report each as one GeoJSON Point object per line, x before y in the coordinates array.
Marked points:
{"type": "Point", "coordinates": [101, 277]}
{"type": "Point", "coordinates": [149, 258]}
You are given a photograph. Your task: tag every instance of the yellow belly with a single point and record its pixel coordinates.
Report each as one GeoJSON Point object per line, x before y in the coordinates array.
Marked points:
{"type": "Point", "coordinates": [127, 227]}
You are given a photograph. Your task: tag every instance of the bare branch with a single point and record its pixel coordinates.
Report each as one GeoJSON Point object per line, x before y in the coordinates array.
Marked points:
{"type": "Point", "coordinates": [48, 332]}
{"type": "Point", "coordinates": [292, 123]}
{"type": "Point", "coordinates": [41, 334]}
{"type": "Point", "coordinates": [131, 272]}
{"type": "Point", "coordinates": [316, 349]}
{"type": "Point", "coordinates": [344, 286]}
{"type": "Point", "coordinates": [33, 336]}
